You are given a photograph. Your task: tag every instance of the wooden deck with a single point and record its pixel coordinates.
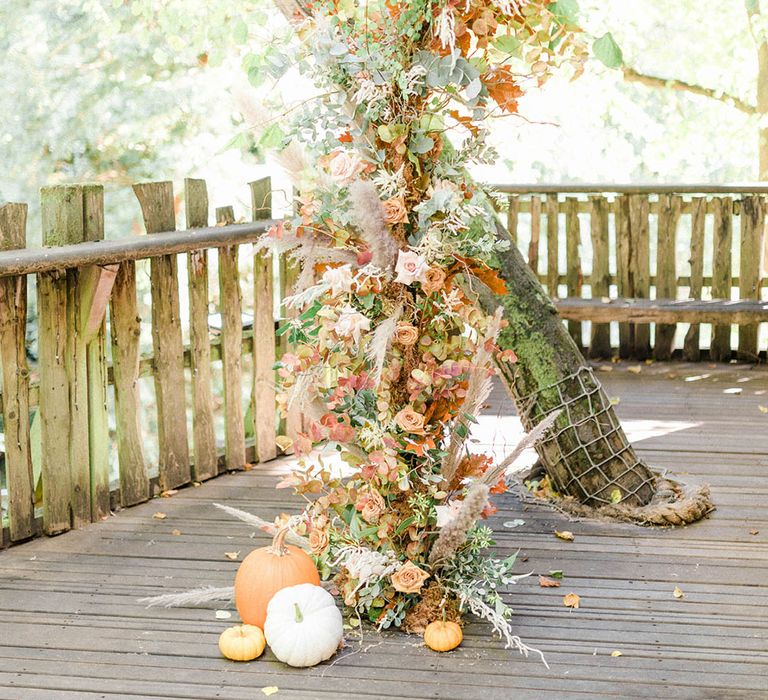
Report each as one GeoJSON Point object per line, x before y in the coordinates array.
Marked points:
{"type": "Point", "coordinates": [71, 626]}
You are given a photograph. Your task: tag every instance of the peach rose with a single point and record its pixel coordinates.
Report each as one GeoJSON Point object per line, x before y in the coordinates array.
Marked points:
{"type": "Point", "coordinates": [374, 506]}
{"type": "Point", "coordinates": [433, 280]}
{"type": "Point", "coordinates": [409, 578]}
{"type": "Point", "coordinates": [395, 211]}
{"type": "Point", "coordinates": [344, 166]}
{"type": "Point", "coordinates": [318, 541]}
{"type": "Point", "coordinates": [410, 421]}
{"type": "Point", "coordinates": [406, 334]}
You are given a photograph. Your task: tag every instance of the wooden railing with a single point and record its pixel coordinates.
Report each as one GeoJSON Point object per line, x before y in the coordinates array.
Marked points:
{"type": "Point", "coordinates": [73, 447]}
{"type": "Point", "coordinates": [55, 420]}
{"type": "Point", "coordinates": [623, 246]}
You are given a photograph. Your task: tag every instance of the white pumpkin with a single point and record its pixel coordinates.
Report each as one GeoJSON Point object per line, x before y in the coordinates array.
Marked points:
{"type": "Point", "coordinates": [303, 626]}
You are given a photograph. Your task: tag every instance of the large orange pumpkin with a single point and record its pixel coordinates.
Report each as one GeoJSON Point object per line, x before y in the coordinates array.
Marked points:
{"type": "Point", "coordinates": [265, 571]}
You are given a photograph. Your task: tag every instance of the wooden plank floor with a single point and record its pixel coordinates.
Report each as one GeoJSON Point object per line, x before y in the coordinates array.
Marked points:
{"type": "Point", "coordinates": [71, 626]}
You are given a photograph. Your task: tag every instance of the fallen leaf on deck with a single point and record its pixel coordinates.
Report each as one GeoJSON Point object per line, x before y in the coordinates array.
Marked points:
{"type": "Point", "coordinates": [616, 496]}
{"type": "Point", "coordinates": [284, 442]}
{"type": "Point", "coordinates": [514, 523]}
{"type": "Point", "coordinates": [733, 390]}
{"type": "Point", "coordinates": [232, 555]}
{"type": "Point", "coordinates": [175, 533]}
{"type": "Point", "coordinates": [223, 614]}
{"type": "Point", "coordinates": [546, 582]}
{"type": "Point", "coordinates": [754, 532]}
{"type": "Point", "coordinates": [615, 400]}
{"type": "Point", "coordinates": [696, 377]}
{"type": "Point", "coordinates": [741, 380]}
{"type": "Point", "coordinates": [159, 516]}
{"type": "Point", "coordinates": [605, 368]}
{"type": "Point", "coordinates": [269, 690]}
{"type": "Point", "coordinates": [556, 573]}
{"type": "Point", "coordinates": [196, 484]}
{"type": "Point", "coordinates": [571, 600]}
{"type": "Point", "coordinates": [678, 593]}
{"type": "Point", "coordinates": [763, 409]}
{"type": "Point", "coordinates": [169, 493]}
{"type": "Point", "coordinates": [564, 535]}
{"type": "Point", "coordinates": [635, 369]}
{"type": "Point", "coordinates": [616, 653]}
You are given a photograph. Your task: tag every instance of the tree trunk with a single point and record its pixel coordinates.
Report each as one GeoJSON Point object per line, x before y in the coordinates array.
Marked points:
{"type": "Point", "coordinates": [587, 455]}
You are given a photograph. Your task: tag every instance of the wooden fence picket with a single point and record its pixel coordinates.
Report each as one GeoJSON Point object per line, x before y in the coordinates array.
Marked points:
{"type": "Point", "coordinates": [573, 276]}
{"type": "Point", "coordinates": [666, 269]}
{"type": "Point", "coordinates": [752, 231]}
{"type": "Point", "coordinates": [691, 345]}
{"type": "Point", "coordinates": [639, 266]}
{"type": "Point", "coordinates": [513, 212]}
{"type": "Point", "coordinates": [600, 282]}
{"type": "Point", "coordinates": [720, 347]}
{"type": "Point", "coordinates": [553, 247]}
{"type": "Point", "coordinates": [533, 246]}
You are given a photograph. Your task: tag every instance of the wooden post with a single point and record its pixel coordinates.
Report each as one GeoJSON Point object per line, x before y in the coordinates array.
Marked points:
{"type": "Point", "coordinates": [157, 206]}
{"type": "Point", "coordinates": [574, 276]}
{"type": "Point", "coordinates": [722, 272]}
{"type": "Point", "coordinates": [624, 277]}
{"type": "Point", "coordinates": [513, 211]}
{"type": "Point", "coordinates": [125, 329]}
{"type": "Point", "coordinates": [15, 376]}
{"type": "Point", "coordinates": [600, 342]}
{"type": "Point", "coordinates": [640, 268]}
{"type": "Point", "coordinates": [691, 346]}
{"type": "Point", "coordinates": [553, 272]}
{"type": "Point", "coordinates": [533, 246]}
{"type": "Point", "coordinates": [205, 464]}
{"type": "Point", "coordinates": [264, 401]}
{"type": "Point", "coordinates": [230, 306]}
{"type": "Point", "coordinates": [670, 207]}
{"type": "Point", "coordinates": [752, 227]}
{"type": "Point", "coordinates": [96, 286]}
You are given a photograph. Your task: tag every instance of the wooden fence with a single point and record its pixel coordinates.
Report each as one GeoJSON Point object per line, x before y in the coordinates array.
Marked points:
{"type": "Point", "coordinates": [80, 281]}
{"type": "Point", "coordinates": [626, 243]}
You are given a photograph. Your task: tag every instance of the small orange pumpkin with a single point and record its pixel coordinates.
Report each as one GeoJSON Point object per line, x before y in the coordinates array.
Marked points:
{"type": "Point", "coordinates": [265, 571]}
{"type": "Point", "coordinates": [242, 643]}
{"type": "Point", "coordinates": [442, 636]}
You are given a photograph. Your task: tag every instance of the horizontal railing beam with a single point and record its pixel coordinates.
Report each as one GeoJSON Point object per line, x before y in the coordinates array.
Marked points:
{"type": "Point", "coordinates": [35, 260]}
{"type": "Point", "coordinates": [662, 311]}
{"type": "Point", "coordinates": [598, 188]}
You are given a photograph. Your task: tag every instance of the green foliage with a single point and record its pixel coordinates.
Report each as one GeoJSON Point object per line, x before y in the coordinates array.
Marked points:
{"type": "Point", "coordinates": [608, 51]}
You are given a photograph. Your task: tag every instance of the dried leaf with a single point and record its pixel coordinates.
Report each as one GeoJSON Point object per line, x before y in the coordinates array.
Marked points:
{"type": "Point", "coordinates": [284, 442]}
{"type": "Point", "coordinates": [733, 390]}
{"type": "Point", "coordinates": [615, 400]}
{"type": "Point", "coordinates": [616, 653]}
{"type": "Point", "coordinates": [754, 532]}
{"type": "Point", "coordinates": [169, 493]}
{"type": "Point", "coordinates": [635, 369]}
{"type": "Point", "coordinates": [269, 690]}
{"type": "Point", "coordinates": [697, 377]}
{"type": "Point", "coordinates": [763, 409]}
{"type": "Point", "coordinates": [175, 533]}
{"type": "Point", "coordinates": [571, 600]}
{"type": "Point", "coordinates": [223, 614]}
{"type": "Point", "coordinates": [678, 593]}
{"type": "Point", "coordinates": [564, 535]}
{"type": "Point", "coordinates": [616, 496]}
{"type": "Point", "coordinates": [546, 582]}
{"type": "Point", "coordinates": [232, 555]}
{"type": "Point", "coordinates": [514, 523]}
{"type": "Point", "coordinates": [159, 516]}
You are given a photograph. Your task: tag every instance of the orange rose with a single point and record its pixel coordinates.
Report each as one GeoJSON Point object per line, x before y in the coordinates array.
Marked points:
{"type": "Point", "coordinates": [409, 578]}
{"type": "Point", "coordinates": [433, 280]}
{"type": "Point", "coordinates": [318, 541]}
{"type": "Point", "coordinates": [374, 506]}
{"type": "Point", "coordinates": [395, 211]}
{"type": "Point", "coordinates": [406, 334]}
{"type": "Point", "coordinates": [410, 421]}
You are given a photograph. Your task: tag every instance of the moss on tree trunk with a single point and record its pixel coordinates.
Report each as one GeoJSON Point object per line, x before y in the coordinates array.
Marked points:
{"type": "Point", "coordinates": [588, 456]}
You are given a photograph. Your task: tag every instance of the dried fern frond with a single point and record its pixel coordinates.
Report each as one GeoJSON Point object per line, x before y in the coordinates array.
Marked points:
{"type": "Point", "coordinates": [454, 534]}
{"type": "Point", "coordinates": [191, 598]}
{"type": "Point", "coordinates": [263, 525]}
{"type": "Point", "coordinates": [381, 341]}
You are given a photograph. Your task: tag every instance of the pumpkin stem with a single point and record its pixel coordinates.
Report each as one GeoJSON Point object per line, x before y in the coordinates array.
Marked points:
{"type": "Point", "coordinates": [278, 542]}
{"type": "Point", "coordinates": [297, 613]}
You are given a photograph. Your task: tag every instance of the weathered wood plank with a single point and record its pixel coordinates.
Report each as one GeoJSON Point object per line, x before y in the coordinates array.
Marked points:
{"type": "Point", "coordinates": [639, 268]}
{"type": "Point", "coordinates": [93, 305]}
{"type": "Point", "coordinates": [513, 211]}
{"type": "Point", "coordinates": [752, 232]}
{"type": "Point", "coordinates": [125, 329]}
{"type": "Point", "coordinates": [231, 304]}
{"type": "Point", "coordinates": [15, 382]}
{"type": "Point", "coordinates": [624, 280]}
{"type": "Point", "coordinates": [553, 248]}
{"type": "Point", "coordinates": [662, 311]}
{"type": "Point", "coordinates": [691, 345]}
{"type": "Point", "coordinates": [205, 463]}
{"type": "Point", "coordinates": [666, 269]}
{"type": "Point", "coordinates": [533, 245]}
{"type": "Point", "coordinates": [157, 206]}
{"type": "Point", "coordinates": [720, 347]}
{"type": "Point", "coordinates": [574, 276]}
{"type": "Point", "coordinates": [600, 341]}
{"type": "Point", "coordinates": [264, 399]}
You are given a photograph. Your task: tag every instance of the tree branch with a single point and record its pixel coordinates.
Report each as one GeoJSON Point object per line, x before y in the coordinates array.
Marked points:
{"type": "Point", "coordinates": [636, 76]}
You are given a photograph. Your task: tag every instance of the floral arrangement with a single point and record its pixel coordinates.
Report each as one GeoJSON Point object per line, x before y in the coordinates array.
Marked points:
{"type": "Point", "coordinates": [391, 358]}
